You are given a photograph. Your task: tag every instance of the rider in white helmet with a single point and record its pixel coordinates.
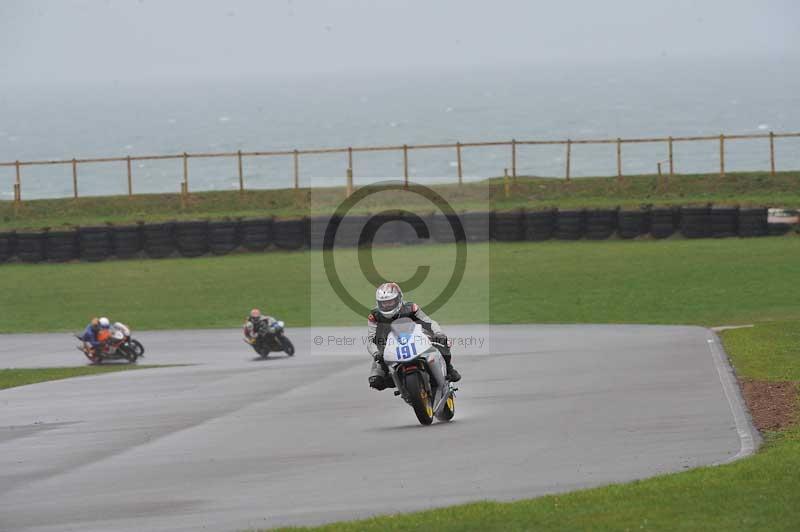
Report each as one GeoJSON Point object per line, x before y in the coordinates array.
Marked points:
{"type": "Point", "coordinates": [390, 307]}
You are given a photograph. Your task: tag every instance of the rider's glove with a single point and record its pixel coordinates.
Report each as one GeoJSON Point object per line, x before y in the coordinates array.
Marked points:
{"type": "Point", "coordinates": [440, 339]}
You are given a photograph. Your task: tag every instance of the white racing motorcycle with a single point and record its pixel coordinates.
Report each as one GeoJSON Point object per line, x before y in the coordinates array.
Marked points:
{"type": "Point", "coordinates": [117, 346]}
{"type": "Point", "coordinates": [419, 372]}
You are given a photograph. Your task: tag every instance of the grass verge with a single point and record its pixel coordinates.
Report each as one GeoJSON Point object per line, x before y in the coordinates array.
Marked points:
{"type": "Point", "coordinates": [11, 378]}
{"type": "Point", "coordinates": [756, 493]}
{"type": "Point", "coordinates": [745, 188]}
{"type": "Point", "coordinates": [704, 282]}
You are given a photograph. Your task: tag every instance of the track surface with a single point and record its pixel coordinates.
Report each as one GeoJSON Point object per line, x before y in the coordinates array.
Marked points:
{"type": "Point", "coordinates": [234, 442]}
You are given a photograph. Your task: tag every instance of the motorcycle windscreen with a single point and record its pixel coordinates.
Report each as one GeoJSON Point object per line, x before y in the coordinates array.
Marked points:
{"type": "Point", "coordinates": [406, 341]}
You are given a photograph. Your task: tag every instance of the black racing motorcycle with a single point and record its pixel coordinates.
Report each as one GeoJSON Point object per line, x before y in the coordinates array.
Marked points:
{"type": "Point", "coordinates": [271, 339]}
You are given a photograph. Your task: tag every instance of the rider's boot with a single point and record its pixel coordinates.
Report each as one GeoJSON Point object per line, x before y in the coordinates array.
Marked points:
{"type": "Point", "coordinates": [377, 376]}
{"type": "Point", "coordinates": [452, 374]}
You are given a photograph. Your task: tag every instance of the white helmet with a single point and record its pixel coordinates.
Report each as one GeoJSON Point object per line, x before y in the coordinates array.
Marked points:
{"type": "Point", "coordinates": [389, 299]}
{"type": "Point", "coordinates": [104, 323]}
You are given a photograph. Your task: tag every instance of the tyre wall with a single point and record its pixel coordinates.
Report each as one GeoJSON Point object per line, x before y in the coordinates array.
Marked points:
{"type": "Point", "coordinates": [201, 238]}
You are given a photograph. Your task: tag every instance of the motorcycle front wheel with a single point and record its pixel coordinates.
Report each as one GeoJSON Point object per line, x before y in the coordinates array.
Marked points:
{"type": "Point", "coordinates": [449, 409]}
{"type": "Point", "coordinates": [136, 347]}
{"type": "Point", "coordinates": [419, 398]}
{"type": "Point", "coordinates": [287, 345]}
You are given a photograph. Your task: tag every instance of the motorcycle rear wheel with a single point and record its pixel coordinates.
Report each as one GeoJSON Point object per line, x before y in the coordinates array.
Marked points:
{"type": "Point", "coordinates": [128, 354]}
{"type": "Point", "coordinates": [420, 399]}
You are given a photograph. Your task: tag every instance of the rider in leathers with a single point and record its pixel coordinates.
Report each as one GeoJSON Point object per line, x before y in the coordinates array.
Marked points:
{"type": "Point", "coordinates": [390, 307]}
{"type": "Point", "coordinates": [255, 322]}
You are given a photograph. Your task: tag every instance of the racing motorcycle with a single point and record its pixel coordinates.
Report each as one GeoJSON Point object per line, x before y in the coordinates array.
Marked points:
{"type": "Point", "coordinates": [419, 372]}
{"type": "Point", "coordinates": [271, 339]}
{"type": "Point", "coordinates": [118, 346]}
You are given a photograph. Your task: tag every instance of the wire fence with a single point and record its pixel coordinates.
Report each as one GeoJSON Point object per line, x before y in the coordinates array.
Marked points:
{"type": "Point", "coordinates": [666, 166]}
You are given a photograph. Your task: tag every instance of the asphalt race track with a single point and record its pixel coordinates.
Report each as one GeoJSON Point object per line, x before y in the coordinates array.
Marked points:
{"type": "Point", "coordinates": [233, 442]}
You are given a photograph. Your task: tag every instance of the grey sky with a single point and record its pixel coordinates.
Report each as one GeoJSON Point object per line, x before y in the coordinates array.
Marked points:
{"type": "Point", "coordinates": [56, 41]}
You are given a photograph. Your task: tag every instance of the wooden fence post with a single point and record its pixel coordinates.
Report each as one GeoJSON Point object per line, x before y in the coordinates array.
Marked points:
{"type": "Point", "coordinates": [658, 180]}
{"type": "Point", "coordinates": [671, 164]}
{"type": "Point", "coordinates": [506, 188]}
{"type": "Point", "coordinates": [241, 171]}
{"type": "Point", "coordinates": [722, 155]}
{"type": "Point", "coordinates": [296, 169]}
{"type": "Point", "coordinates": [185, 186]}
{"type": "Point", "coordinates": [17, 185]}
{"type": "Point", "coordinates": [514, 158]}
{"type": "Point", "coordinates": [350, 160]}
{"type": "Point", "coordinates": [458, 162]}
{"type": "Point", "coordinates": [569, 155]}
{"type": "Point", "coordinates": [619, 159]}
{"type": "Point", "coordinates": [75, 178]}
{"type": "Point", "coordinates": [349, 182]}
{"type": "Point", "coordinates": [405, 166]}
{"type": "Point", "coordinates": [772, 153]}
{"type": "Point", "coordinates": [130, 176]}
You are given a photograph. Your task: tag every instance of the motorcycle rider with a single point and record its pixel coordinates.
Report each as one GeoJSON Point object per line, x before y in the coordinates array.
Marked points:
{"type": "Point", "coordinates": [104, 334]}
{"type": "Point", "coordinates": [390, 306]}
{"type": "Point", "coordinates": [96, 333]}
{"type": "Point", "coordinates": [255, 322]}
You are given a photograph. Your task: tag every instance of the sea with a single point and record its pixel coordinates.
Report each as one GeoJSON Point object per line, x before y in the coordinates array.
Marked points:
{"type": "Point", "coordinates": [262, 112]}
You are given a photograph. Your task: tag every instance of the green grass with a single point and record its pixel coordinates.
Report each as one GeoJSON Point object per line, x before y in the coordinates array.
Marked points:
{"type": "Point", "coordinates": [11, 378]}
{"type": "Point", "coordinates": [757, 493]}
{"type": "Point", "coordinates": [770, 351]}
{"type": "Point", "coordinates": [745, 188]}
{"type": "Point", "coordinates": [706, 282]}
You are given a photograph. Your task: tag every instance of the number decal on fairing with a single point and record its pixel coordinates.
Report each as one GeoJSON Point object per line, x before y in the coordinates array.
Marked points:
{"type": "Point", "coordinates": [406, 351]}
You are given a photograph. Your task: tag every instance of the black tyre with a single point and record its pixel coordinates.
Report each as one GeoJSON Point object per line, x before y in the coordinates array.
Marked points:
{"type": "Point", "coordinates": [30, 247]}
{"type": "Point", "coordinates": [632, 224]}
{"type": "Point", "coordinates": [290, 234]}
{"type": "Point", "coordinates": [191, 238]}
{"type": "Point", "coordinates": [662, 222]}
{"type": "Point", "coordinates": [539, 225]}
{"type": "Point", "coordinates": [779, 229]}
{"type": "Point", "coordinates": [158, 240]}
{"type": "Point", "coordinates": [476, 226]}
{"type": "Point", "coordinates": [442, 228]}
{"type": "Point", "coordinates": [136, 347]}
{"type": "Point", "coordinates": [419, 398]}
{"type": "Point", "coordinates": [7, 245]}
{"type": "Point", "coordinates": [415, 229]}
{"type": "Point", "coordinates": [570, 225]}
{"type": "Point", "coordinates": [508, 226]}
{"type": "Point", "coordinates": [126, 241]}
{"type": "Point", "coordinates": [287, 346]}
{"type": "Point", "coordinates": [449, 409]}
{"type": "Point", "coordinates": [61, 246]}
{"type": "Point", "coordinates": [128, 353]}
{"type": "Point", "coordinates": [696, 222]}
{"type": "Point", "coordinates": [753, 222]}
{"type": "Point", "coordinates": [95, 243]}
{"type": "Point", "coordinates": [317, 226]}
{"type": "Point", "coordinates": [349, 230]}
{"type": "Point", "coordinates": [600, 224]}
{"type": "Point", "coordinates": [724, 222]}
